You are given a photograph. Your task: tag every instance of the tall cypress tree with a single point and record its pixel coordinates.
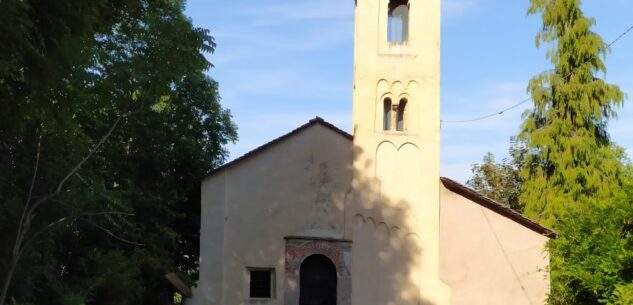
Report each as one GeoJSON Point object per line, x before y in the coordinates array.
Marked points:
{"type": "Point", "coordinates": [570, 160]}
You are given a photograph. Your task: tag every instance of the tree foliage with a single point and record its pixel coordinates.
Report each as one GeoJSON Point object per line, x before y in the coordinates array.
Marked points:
{"type": "Point", "coordinates": [68, 71]}
{"type": "Point", "coordinates": [575, 179]}
{"type": "Point", "coordinates": [572, 177]}
{"type": "Point", "coordinates": [570, 159]}
{"type": "Point", "coordinates": [592, 259]}
{"type": "Point", "coordinates": [501, 181]}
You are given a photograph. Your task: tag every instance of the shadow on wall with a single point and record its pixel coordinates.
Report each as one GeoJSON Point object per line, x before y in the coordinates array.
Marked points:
{"type": "Point", "coordinates": [313, 193]}
{"type": "Point", "coordinates": [387, 252]}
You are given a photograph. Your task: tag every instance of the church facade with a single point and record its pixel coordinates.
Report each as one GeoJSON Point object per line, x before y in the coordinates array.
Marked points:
{"type": "Point", "coordinates": [322, 217]}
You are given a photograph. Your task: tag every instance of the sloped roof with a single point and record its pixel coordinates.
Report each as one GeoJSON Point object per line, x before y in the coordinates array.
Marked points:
{"type": "Point", "coordinates": [448, 183]}
{"type": "Point", "coordinates": [316, 121]}
{"type": "Point", "coordinates": [497, 207]}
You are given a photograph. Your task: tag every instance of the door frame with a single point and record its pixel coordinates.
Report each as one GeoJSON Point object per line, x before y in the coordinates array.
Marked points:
{"type": "Point", "coordinates": [339, 251]}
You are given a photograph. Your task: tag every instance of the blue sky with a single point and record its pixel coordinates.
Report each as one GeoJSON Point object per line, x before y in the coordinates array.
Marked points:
{"type": "Point", "coordinates": [280, 63]}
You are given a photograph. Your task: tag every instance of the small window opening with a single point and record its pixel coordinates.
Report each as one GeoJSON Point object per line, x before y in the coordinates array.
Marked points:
{"type": "Point", "coordinates": [386, 116]}
{"type": "Point", "coordinates": [398, 21]}
{"type": "Point", "coordinates": [400, 115]}
{"type": "Point", "coordinates": [261, 283]}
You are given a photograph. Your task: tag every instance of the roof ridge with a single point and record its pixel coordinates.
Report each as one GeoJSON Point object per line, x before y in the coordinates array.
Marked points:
{"type": "Point", "coordinates": [497, 207]}
{"type": "Point", "coordinates": [317, 120]}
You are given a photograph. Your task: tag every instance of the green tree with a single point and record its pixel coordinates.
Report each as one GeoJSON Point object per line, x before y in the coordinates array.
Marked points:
{"type": "Point", "coordinates": [592, 258]}
{"type": "Point", "coordinates": [575, 178]}
{"type": "Point", "coordinates": [129, 72]}
{"type": "Point", "coordinates": [570, 159]}
{"type": "Point", "coordinates": [500, 181]}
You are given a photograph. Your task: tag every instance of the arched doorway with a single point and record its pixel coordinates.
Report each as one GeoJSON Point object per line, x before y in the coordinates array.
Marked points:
{"type": "Point", "coordinates": [317, 277]}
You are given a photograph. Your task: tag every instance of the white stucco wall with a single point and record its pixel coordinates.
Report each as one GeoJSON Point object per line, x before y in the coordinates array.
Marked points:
{"type": "Point", "coordinates": [487, 258]}
{"type": "Point", "coordinates": [412, 240]}
{"type": "Point", "coordinates": [396, 172]}
{"type": "Point", "coordinates": [300, 187]}
{"type": "Point", "coordinates": [296, 187]}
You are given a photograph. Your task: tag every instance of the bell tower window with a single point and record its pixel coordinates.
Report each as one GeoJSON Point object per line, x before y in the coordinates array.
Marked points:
{"type": "Point", "coordinates": [398, 21]}
{"type": "Point", "coordinates": [401, 115]}
{"type": "Point", "coordinates": [386, 116]}
{"type": "Point", "coordinates": [395, 115]}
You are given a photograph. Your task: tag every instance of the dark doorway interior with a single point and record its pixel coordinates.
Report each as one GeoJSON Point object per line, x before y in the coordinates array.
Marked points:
{"type": "Point", "coordinates": [317, 278]}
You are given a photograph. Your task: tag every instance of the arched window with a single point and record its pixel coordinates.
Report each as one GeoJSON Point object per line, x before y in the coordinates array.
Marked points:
{"type": "Point", "coordinates": [398, 24]}
{"type": "Point", "coordinates": [386, 115]}
{"type": "Point", "coordinates": [317, 281]}
{"type": "Point", "coordinates": [401, 115]}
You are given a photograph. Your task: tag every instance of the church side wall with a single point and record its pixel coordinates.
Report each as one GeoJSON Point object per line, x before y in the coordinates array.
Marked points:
{"type": "Point", "coordinates": [487, 258]}
{"type": "Point", "coordinates": [296, 187]}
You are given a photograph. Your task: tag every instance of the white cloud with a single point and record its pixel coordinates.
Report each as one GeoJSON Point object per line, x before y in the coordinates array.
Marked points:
{"type": "Point", "coordinates": [295, 12]}
{"type": "Point", "coordinates": [485, 101]}
{"type": "Point", "coordinates": [304, 12]}
{"type": "Point", "coordinates": [459, 8]}
{"type": "Point", "coordinates": [464, 144]}
{"type": "Point", "coordinates": [457, 150]}
{"type": "Point", "coordinates": [292, 84]}
{"type": "Point", "coordinates": [256, 43]}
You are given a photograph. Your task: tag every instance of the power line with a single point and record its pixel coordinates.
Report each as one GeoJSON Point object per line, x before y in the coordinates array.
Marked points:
{"type": "Point", "coordinates": [529, 98]}
{"type": "Point", "coordinates": [489, 115]}
{"type": "Point", "coordinates": [621, 35]}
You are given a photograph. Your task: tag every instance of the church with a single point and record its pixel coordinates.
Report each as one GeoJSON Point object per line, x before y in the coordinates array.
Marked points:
{"type": "Point", "coordinates": [319, 216]}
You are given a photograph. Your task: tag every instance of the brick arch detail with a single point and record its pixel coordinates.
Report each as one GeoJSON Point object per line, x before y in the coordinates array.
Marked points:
{"type": "Point", "coordinates": [337, 251]}
{"type": "Point", "coordinates": [296, 254]}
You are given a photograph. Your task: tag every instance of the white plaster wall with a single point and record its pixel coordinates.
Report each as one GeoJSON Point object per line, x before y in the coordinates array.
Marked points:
{"type": "Point", "coordinates": [396, 174]}
{"type": "Point", "coordinates": [209, 287]}
{"type": "Point", "coordinates": [487, 258]}
{"type": "Point", "coordinates": [384, 265]}
{"type": "Point", "coordinates": [295, 187]}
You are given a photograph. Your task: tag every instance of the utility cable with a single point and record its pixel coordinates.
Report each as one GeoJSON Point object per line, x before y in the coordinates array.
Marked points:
{"type": "Point", "coordinates": [529, 98]}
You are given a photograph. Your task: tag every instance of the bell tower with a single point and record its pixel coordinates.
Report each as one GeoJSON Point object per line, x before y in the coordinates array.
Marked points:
{"type": "Point", "coordinates": [397, 62]}
{"type": "Point", "coordinates": [396, 126]}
